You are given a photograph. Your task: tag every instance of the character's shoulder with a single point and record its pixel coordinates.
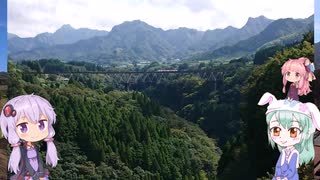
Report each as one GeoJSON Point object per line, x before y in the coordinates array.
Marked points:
{"type": "Point", "coordinates": [294, 152]}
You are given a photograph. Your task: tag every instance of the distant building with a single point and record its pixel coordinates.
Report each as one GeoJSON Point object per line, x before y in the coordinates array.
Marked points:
{"type": "Point", "coordinates": [64, 79]}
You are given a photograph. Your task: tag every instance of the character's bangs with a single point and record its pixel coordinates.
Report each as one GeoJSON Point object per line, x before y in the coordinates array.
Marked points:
{"type": "Point", "coordinates": [47, 110]}
{"type": "Point", "coordinates": [28, 107]}
{"type": "Point", "coordinates": [33, 107]}
{"type": "Point", "coordinates": [285, 118]}
{"type": "Point", "coordinates": [296, 67]}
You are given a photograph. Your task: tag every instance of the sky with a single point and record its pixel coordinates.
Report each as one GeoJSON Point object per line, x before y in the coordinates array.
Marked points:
{"type": "Point", "coordinates": [31, 17]}
{"type": "Point", "coordinates": [3, 35]}
{"type": "Point", "coordinates": [317, 21]}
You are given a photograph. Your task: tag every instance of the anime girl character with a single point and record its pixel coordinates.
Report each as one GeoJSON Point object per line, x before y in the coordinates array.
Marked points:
{"type": "Point", "coordinates": [25, 120]}
{"type": "Point", "coordinates": [291, 129]}
{"type": "Point", "coordinates": [299, 72]}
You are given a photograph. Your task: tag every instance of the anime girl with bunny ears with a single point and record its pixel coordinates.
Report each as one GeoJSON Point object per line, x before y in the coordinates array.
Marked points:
{"type": "Point", "coordinates": [290, 127]}
{"type": "Point", "coordinates": [25, 120]}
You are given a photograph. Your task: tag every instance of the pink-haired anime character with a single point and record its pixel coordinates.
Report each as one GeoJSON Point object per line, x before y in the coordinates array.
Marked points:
{"type": "Point", "coordinates": [299, 72]}
{"type": "Point", "coordinates": [25, 120]}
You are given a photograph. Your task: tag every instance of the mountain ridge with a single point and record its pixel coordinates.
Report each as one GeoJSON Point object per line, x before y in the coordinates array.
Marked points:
{"type": "Point", "coordinates": [291, 28]}
{"type": "Point", "coordinates": [134, 41]}
{"type": "Point", "coordinates": [66, 34]}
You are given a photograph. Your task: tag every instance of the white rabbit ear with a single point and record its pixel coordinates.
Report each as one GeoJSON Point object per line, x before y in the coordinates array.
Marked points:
{"type": "Point", "coordinates": [267, 98]}
{"type": "Point", "coordinates": [315, 114]}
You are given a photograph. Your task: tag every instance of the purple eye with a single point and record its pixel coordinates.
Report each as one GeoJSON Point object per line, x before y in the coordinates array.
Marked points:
{"type": "Point", "coordinates": [23, 128]}
{"type": "Point", "coordinates": [42, 124]}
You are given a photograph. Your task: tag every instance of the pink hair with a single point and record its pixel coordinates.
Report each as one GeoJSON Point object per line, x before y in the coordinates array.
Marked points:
{"type": "Point", "coordinates": [297, 65]}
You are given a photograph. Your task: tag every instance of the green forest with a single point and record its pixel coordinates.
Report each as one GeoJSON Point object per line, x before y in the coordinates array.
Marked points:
{"type": "Point", "coordinates": [118, 135]}
{"type": "Point", "coordinates": [184, 128]}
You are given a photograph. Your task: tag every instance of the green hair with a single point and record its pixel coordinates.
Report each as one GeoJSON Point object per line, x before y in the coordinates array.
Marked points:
{"type": "Point", "coordinates": [305, 146]}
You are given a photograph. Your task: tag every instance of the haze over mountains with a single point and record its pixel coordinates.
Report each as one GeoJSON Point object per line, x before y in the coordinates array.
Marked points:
{"type": "Point", "coordinates": [65, 35]}
{"type": "Point", "coordinates": [279, 32]}
{"type": "Point", "coordinates": [138, 41]}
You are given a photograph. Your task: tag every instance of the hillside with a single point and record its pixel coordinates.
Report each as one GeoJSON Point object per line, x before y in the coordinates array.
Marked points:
{"type": "Point", "coordinates": [3, 152]}
{"type": "Point", "coordinates": [137, 41]}
{"type": "Point", "coordinates": [226, 110]}
{"type": "Point", "coordinates": [3, 158]}
{"type": "Point", "coordinates": [229, 36]}
{"type": "Point", "coordinates": [64, 35]}
{"type": "Point", "coordinates": [118, 135]}
{"type": "Point", "coordinates": [279, 32]}
{"type": "Point", "coordinates": [10, 35]}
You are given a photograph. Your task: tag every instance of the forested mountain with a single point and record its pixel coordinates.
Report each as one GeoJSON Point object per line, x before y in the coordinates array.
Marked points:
{"type": "Point", "coordinates": [132, 40]}
{"type": "Point", "coordinates": [213, 105]}
{"type": "Point", "coordinates": [136, 41]}
{"type": "Point", "coordinates": [193, 98]}
{"type": "Point", "coordinates": [10, 35]}
{"type": "Point", "coordinates": [183, 41]}
{"type": "Point", "coordinates": [116, 135]}
{"type": "Point", "coordinates": [226, 111]}
{"type": "Point", "coordinates": [64, 35]}
{"type": "Point", "coordinates": [214, 39]}
{"type": "Point", "coordinates": [3, 145]}
{"type": "Point", "coordinates": [279, 32]}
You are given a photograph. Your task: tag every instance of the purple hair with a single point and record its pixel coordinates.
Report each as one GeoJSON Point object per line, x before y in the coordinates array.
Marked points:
{"type": "Point", "coordinates": [33, 106]}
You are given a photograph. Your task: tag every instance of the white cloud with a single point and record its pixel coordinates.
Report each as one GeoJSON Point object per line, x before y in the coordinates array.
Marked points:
{"type": "Point", "coordinates": [28, 18]}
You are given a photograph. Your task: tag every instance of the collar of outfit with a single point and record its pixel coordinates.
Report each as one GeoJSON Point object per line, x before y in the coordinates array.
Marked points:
{"type": "Point", "coordinates": [288, 152]}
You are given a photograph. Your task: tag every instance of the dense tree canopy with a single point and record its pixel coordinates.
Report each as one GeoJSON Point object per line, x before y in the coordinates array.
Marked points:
{"type": "Point", "coordinates": [117, 135]}
{"type": "Point", "coordinates": [106, 133]}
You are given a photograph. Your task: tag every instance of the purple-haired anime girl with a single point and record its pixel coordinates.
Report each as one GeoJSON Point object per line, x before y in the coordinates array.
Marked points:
{"type": "Point", "coordinates": [24, 120]}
